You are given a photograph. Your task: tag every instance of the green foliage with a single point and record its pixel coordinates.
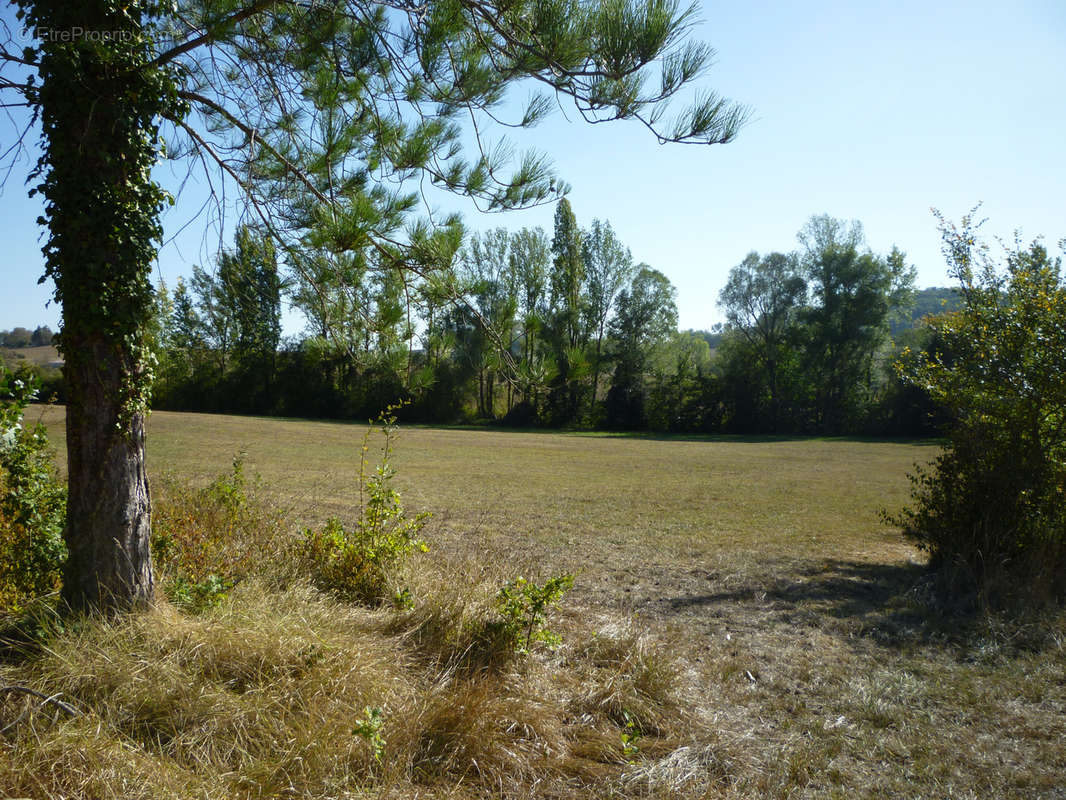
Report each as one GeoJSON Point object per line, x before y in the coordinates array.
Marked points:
{"type": "Point", "coordinates": [568, 275]}
{"type": "Point", "coordinates": [250, 293]}
{"type": "Point", "coordinates": [205, 541]}
{"type": "Point", "coordinates": [523, 606]}
{"type": "Point", "coordinates": [762, 301]}
{"type": "Point", "coordinates": [16, 337]}
{"type": "Point", "coordinates": [680, 367]}
{"type": "Point", "coordinates": [197, 596]}
{"type": "Point", "coordinates": [488, 280]}
{"type": "Point", "coordinates": [32, 501]}
{"type": "Point", "coordinates": [368, 728]}
{"type": "Point", "coordinates": [991, 509]}
{"type": "Point", "coordinates": [608, 269]}
{"type": "Point", "coordinates": [360, 564]}
{"type": "Point", "coordinates": [808, 333]}
{"type": "Point", "coordinates": [630, 734]}
{"type": "Point", "coordinates": [646, 317]}
{"type": "Point", "coordinates": [22, 337]}
{"type": "Point", "coordinates": [854, 292]}
{"type": "Point", "coordinates": [565, 333]}
{"type": "Point", "coordinates": [927, 302]}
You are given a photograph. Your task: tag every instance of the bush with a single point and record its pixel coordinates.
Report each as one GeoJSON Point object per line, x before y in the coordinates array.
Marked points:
{"type": "Point", "coordinates": [991, 509]}
{"type": "Point", "coordinates": [360, 564]}
{"type": "Point", "coordinates": [32, 501]}
{"type": "Point", "coordinates": [523, 608]}
{"type": "Point", "coordinates": [206, 541]}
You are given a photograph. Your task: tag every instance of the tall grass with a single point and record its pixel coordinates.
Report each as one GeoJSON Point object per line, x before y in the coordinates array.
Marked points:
{"type": "Point", "coordinates": [262, 691]}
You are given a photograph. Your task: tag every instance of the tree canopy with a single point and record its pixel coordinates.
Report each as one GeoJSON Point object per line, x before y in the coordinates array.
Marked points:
{"type": "Point", "coordinates": [990, 509]}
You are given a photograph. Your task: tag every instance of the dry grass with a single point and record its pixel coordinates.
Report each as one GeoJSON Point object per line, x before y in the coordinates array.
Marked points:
{"type": "Point", "coordinates": [259, 697]}
{"type": "Point", "coordinates": [42, 354]}
{"type": "Point", "coordinates": [793, 651]}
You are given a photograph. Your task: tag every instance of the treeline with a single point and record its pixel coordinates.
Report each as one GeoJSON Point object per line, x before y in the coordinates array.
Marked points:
{"type": "Point", "coordinates": [23, 337]}
{"type": "Point", "coordinates": [561, 331]}
{"type": "Point", "coordinates": [808, 345]}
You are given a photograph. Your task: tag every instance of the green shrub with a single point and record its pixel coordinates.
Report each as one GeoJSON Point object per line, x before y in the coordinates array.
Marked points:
{"type": "Point", "coordinates": [32, 501]}
{"type": "Point", "coordinates": [360, 564]}
{"type": "Point", "coordinates": [368, 728]}
{"type": "Point", "coordinates": [205, 541]}
{"type": "Point", "coordinates": [991, 510]}
{"type": "Point", "coordinates": [523, 607]}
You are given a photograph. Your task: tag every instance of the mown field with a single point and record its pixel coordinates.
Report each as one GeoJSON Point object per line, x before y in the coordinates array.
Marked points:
{"type": "Point", "coordinates": [814, 660]}
{"type": "Point", "coordinates": [595, 501]}
{"type": "Point", "coordinates": [44, 354]}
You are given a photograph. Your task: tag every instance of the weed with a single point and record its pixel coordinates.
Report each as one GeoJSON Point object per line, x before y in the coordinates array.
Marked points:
{"type": "Point", "coordinates": [630, 734]}
{"type": "Point", "coordinates": [524, 605]}
{"type": "Point", "coordinates": [205, 541]}
{"type": "Point", "coordinates": [359, 564]}
{"type": "Point", "coordinates": [368, 728]}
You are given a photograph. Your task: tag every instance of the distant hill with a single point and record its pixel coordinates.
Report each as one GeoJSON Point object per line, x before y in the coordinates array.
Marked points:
{"type": "Point", "coordinates": [927, 302]}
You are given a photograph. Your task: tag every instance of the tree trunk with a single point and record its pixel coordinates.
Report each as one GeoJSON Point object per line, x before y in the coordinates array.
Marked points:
{"type": "Point", "coordinates": [99, 98]}
{"type": "Point", "coordinates": [596, 371]}
{"type": "Point", "coordinates": [108, 507]}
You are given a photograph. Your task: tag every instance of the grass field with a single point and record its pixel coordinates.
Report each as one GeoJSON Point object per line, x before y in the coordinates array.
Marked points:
{"type": "Point", "coordinates": [812, 658]}
{"type": "Point", "coordinates": [43, 354]}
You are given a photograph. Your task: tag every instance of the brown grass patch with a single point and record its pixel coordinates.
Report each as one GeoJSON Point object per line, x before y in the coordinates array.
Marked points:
{"type": "Point", "coordinates": [261, 696]}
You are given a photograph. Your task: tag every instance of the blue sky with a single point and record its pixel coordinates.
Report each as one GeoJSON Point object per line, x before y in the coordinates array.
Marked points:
{"type": "Point", "coordinates": [865, 111]}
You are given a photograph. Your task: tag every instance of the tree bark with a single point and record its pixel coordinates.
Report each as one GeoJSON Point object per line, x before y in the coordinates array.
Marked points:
{"type": "Point", "coordinates": [108, 507]}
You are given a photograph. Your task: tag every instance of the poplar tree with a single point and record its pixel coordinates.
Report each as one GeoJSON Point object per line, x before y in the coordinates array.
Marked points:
{"type": "Point", "coordinates": [568, 274]}
{"type": "Point", "coordinates": [567, 300]}
{"type": "Point", "coordinates": [608, 269]}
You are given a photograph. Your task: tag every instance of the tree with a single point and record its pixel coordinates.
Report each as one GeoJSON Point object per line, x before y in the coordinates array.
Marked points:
{"type": "Point", "coordinates": [42, 335]}
{"type": "Point", "coordinates": [646, 316]}
{"type": "Point", "coordinates": [186, 327]}
{"type": "Point", "coordinates": [679, 368]}
{"type": "Point", "coordinates": [493, 290]}
{"type": "Point", "coordinates": [252, 294]}
{"type": "Point", "coordinates": [853, 292]}
{"type": "Point", "coordinates": [338, 294]}
{"type": "Point", "coordinates": [181, 382]}
{"type": "Point", "coordinates": [762, 299]}
{"type": "Point", "coordinates": [323, 114]}
{"type": "Point", "coordinates": [18, 337]}
{"type": "Point", "coordinates": [529, 259]}
{"type": "Point", "coordinates": [608, 268]}
{"type": "Point", "coordinates": [927, 302]}
{"type": "Point", "coordinates": [249, 292]}
{"type": "Point", "coordinates": [216, 319]}
{"type": "Point", "coordinates": [568, 275]}
{"type": "Point", "coordinates": [567, 298]}
{"type": "Point", "coordinates": [990, 510]}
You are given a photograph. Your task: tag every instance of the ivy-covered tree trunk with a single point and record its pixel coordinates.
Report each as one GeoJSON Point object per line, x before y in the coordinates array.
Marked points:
{"type": "Point", "coordinates": [98, 97]}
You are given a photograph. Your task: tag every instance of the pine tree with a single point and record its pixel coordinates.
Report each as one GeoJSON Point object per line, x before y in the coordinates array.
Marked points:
{"type": "Point", "coordinates": [324, 115]}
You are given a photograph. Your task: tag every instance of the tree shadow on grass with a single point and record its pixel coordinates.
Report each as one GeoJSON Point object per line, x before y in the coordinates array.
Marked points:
{"type": "Point", "coordinates": [893, 604]}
